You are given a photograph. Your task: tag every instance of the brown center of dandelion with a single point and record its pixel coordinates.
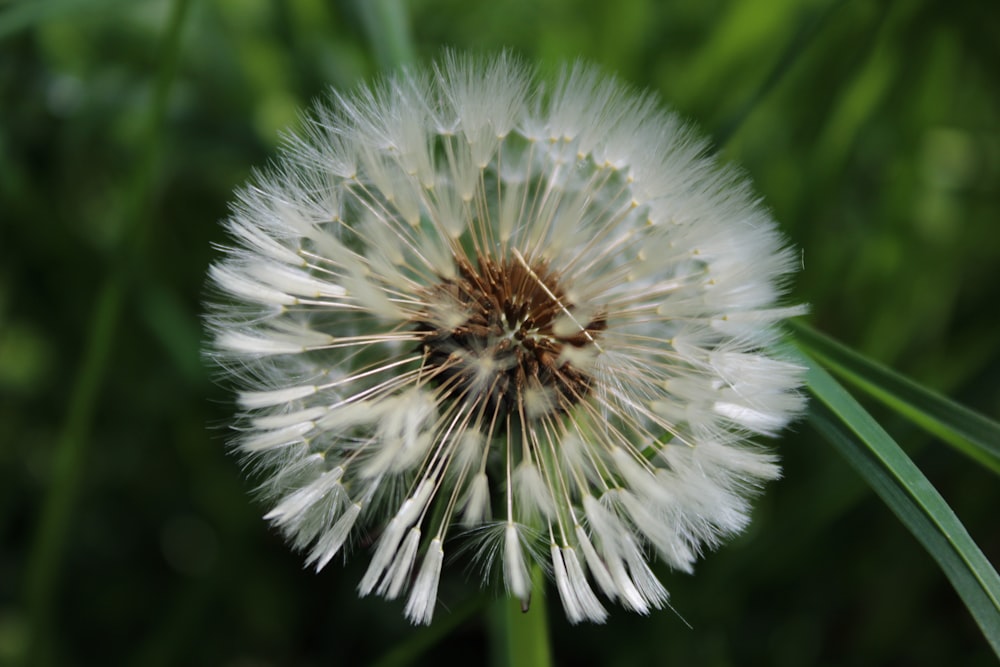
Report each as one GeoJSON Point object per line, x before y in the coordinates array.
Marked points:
{"type": "Point", "coordinates": [506, 338]}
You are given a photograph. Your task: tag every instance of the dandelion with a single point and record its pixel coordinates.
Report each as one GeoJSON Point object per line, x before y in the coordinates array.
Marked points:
{"type": "Point", "coordinates": [464, 307]}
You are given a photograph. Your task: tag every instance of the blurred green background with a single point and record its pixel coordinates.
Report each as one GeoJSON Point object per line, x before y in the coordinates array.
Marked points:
{"type": "Point", "coordinates": [872, 129]}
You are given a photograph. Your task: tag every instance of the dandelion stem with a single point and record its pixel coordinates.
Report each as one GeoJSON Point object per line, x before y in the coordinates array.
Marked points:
{"type": "Point", "coordinates": [521, 637]}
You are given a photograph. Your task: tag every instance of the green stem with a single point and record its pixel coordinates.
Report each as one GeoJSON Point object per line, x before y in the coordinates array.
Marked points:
{"type": "Point", "coordinates": [521, 637]}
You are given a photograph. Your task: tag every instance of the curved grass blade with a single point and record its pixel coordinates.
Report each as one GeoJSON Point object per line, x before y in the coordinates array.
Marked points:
{"type": "Point", "coordinates": [799, 42]}
{"type": "Point", "coordinates": [969, 432]}
{"type": "Point", "coordinates": [909, 494]}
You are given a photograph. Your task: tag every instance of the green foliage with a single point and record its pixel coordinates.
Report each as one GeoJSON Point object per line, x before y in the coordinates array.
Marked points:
{"type": "Point", "coordinates": [872, 129]}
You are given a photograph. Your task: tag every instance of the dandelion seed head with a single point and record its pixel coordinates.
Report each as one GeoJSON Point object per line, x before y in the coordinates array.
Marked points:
{"type": "Point", "coordinates": [505, 356]}
{"type": "Point", "coordinates": [535, 318]}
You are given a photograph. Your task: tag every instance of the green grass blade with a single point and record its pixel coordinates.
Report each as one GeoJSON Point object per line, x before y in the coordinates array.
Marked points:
{"type": "Point", "coordinates": [970, 432]}
{"type": "Point", "coordinates": [71, 449]}
{"type": "Point", "coordinates": [799, 42]}
{"type": "Point", "coordinates": [909, 494]}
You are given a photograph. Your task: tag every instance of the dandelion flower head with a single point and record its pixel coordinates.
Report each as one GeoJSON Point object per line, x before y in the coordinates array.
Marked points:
{"type": "Point", "coordinates": [466, 308]}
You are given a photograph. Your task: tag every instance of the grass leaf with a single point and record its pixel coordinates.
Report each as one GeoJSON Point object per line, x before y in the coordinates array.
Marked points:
{"type": "Point", "coordinates": [970, 432]}
{"type": "Point", "coordinates": [909, 494]}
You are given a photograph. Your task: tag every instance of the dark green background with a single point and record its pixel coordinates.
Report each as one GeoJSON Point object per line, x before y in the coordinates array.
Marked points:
{"type": "Point", "coordinates": [872, 129]}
